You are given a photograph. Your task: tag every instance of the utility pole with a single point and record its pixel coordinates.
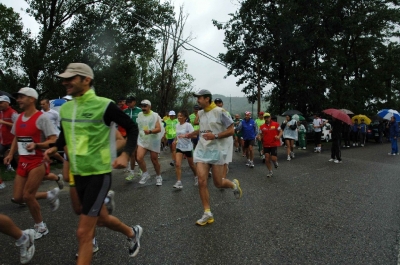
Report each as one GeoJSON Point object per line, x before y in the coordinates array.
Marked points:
{"type": "Point", "coordinates": [258, 87]}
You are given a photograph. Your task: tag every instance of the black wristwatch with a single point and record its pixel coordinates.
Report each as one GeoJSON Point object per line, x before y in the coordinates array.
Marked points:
{"type": "Point", "coordinates": [216, 136]}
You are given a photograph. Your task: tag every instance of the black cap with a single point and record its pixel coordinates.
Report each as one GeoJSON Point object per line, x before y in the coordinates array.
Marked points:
{"type": "Point", "coordinates": [217, 100]}
{"type": "Point", "coordinates": [130, 99]}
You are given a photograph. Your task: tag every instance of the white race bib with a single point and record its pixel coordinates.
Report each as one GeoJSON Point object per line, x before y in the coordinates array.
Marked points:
{"type": "Point", "coordinates": [22, 143]}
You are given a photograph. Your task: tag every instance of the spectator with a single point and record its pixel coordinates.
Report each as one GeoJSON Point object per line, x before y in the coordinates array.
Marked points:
{"type": "Point", "coordinates": [290, 135]}
{"type": "Point", "coordinates": [302, 136]}
{"type": "Point", "coordinates": [354, 132]}
{"type": "Point", "coordinates": [336, 130]}
{"type": "Point", "coordinates": [318, 123]}
{"type": "Point", "coordinates": [362, 127]}
{"type": "Point", "coordinates": [393, 133]}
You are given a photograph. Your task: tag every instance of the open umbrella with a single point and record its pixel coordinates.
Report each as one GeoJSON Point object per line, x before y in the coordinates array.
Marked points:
{"type": "Point", "coordinates": [55, 104]}
{"type": "Point", "coordinates": [291, 112]}
{"type": "Point", "coordinates": [360, 117]}
{"type": "Point", "coordinates": [347, 111]}
{"type": "Point", "coordinates": [298, 117]}
{"type": "Point", "coordinates": [387, 114]}
{"type": "Point", "coordinates": [338, 114]}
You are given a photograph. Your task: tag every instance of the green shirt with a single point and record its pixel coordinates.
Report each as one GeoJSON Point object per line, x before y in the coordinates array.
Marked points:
{"type": "Point", "coordinates": [192, 117]}
{"type": "Point", "coordinates": [260, 122]}
{"type": "Point", "coordinates": [133, 113]}
{"type": "Point", "coordinates": [170, 130]}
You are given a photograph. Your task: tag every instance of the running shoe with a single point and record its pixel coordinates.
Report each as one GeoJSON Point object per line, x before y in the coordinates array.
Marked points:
{"type": "Point", "coordinates": [54, 201]}
{"type": "Point", "coordinates": [338, 161]}
{"type": "Point", "coordinates": [207, 218]}
{"type": "Point", "coordinates": [276, 165]}
{"type": "Point", "coordinates": [292, 154]}
{"type": "Point", "coordinates": [95, 247]}
{"type": "Point", "coordinates": [19, 203]}
{"type": "Point", "coordinates": [130, 176]}
{"type": "Point", "coordinates": [27, 249]}
{"type": "Point", "coordinates": [288, 158]}
{"type": "Point", "coordinates": [110, 205]}
{"type": "Point", "coordinates": [237, 191]}
{"type": "Point", "coordinates": [269, 174]}
{"type": "Point", "coordinates": [330, 160]}
{"type": "Point", "coordinates": [2, 185]}
{"type": "Point", "coordinates": [40, 231]}
{"type": "Point", "coordinates": [248, 163]}
{"type": "Point", "coordinates": [263, 158]}
{"type": "Point", "coordinates": [172, 163]}
{"type": "Point", "coordinates": [145, 178]}
{"type": "Point", "coordinates": [134, 243]}
{"type": "Point", "coordinates": [10, 168]}
{"type": "Point", "coordinates": [196, 181]}
{"type": "Point", "coordinates": [304, 148]}
{"type": "Point", "coordinates": [178, 185]}
{"type": "Point", "coordinates": [251, 164]}
{"type": "Point", "coordinates": [60, 181]}
{"type": "Point", "coordinates": [158, 181]}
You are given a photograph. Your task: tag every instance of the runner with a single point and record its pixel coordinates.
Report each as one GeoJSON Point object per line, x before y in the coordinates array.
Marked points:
{"type": "Point", "coordinates": [238, 134]}
{"type": "Point", "coordinates": [7, 118]}
{"type": "Point", "coordinates": [184, 147]}
{"type": "Point", "coordinates": [30, 128]}
{"type": "Point", "coordinates": [270, 135]}
{"type": "Point", "coordinates": [192, 118]}
{"type": "Point", "coordinates": [132, 111]}
{"type": "Point", "coordinates": [260, 121]}
{"type": "Point", "coordinates": [249, 130]}
{"type": "Point", "coordinates": [215, 128]}
{"type": "Point", "coordinates": [88, 132]}
{"type": "Point", "coordinates": [150, 134]}
{"type": "Point", "coordinates": [24, 239]}
{"type": "Point", "coordinates": [170, 134]}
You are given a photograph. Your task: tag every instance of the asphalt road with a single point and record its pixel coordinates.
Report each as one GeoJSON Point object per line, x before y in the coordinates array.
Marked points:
{"type": "Point", "coordinates": [311, 212]}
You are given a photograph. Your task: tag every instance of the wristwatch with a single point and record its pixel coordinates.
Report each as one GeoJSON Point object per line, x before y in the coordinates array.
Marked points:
{"type": "Point", "coordinates": [216, 136]}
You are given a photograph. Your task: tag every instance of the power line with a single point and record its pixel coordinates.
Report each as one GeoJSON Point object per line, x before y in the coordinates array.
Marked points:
{"type": "Point", "coordinates": [196, 50]}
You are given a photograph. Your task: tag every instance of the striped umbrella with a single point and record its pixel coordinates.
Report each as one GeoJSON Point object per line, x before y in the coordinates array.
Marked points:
{"type": "Point", "coordinates": [387, 114]}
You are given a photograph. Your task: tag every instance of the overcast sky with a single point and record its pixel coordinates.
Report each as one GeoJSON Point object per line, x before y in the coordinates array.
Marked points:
{"type": "Point", "coordinates": [208, 74]}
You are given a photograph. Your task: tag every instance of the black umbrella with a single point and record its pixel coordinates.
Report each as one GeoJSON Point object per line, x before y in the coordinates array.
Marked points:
{"type": "Point", "coordinates": [291, 112]}
{"type": "Point", "coordinates": [4, 93]}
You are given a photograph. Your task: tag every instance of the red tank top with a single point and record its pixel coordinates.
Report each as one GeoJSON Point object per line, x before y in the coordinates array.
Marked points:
{"type": "Point", "coordinates": [6, 137]}
{"type": "Point", "coordinates": [27, 132]}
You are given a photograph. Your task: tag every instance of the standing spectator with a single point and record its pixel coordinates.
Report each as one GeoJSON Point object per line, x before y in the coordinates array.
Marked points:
{"type": "Point", "coordinates": [336, 131]}
{"type": "Point", "coordinates": [381, 129]}
{"type": "Point", "coordinates": [7, 118]}
{"type": "Point", "coordinates": [249, 130]}
{"type": "Point", "coordinates": [170, 134]}
{"type": "Point", "coordinates": [302, 135]}
{"type": "Point", "coordinates": [150, 133]}
{"type": "Point", "coordinates": [290, 135]}
{"type": "Point", "coordinates": [393, 133]}
{"type": "Point", "coordinates": [184, 147]}
{"type": "Point", "coordinates": [260, 121]}
{"type": "Point", "coordinates": [215, 127]}
{"type": "Point", "coordinates": [270, 135]}
{"type": "Point", "coordinates": [318, 123]}
{"type": "Point", "coordinates": [192, 118]}
{"type": "Point", "coordinates": [132, 111]}
{"type": "Point", "coordinates": [362, 128]}
{"type": "Point", "coordinates": [354, 132]}
{"type": "Point", "coordinates": [346, 134]}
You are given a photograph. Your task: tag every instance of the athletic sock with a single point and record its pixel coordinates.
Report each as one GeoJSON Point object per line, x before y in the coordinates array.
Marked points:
{"type": "Point", "coordinates": [22, 239]}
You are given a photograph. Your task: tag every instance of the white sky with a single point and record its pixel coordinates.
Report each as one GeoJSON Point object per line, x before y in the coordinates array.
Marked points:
{"type": "Point", "coordinates": [208, 74]}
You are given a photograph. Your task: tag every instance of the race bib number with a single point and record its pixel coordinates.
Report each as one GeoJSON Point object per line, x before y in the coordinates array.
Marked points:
{"type": "Point", "coordinates": [22, 143]}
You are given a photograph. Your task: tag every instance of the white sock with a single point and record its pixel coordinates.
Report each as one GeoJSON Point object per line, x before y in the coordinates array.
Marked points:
{"type": "Point", "coordinates": [41, 224]}
{"type": "Point", "coordinates": [50, 195]}
{"type": "Point", "coordinates": [94, 240]}
{"type": "Point", "coordinates": [106, 200]}
{"type": "Point", "coordinates": [21, 240]}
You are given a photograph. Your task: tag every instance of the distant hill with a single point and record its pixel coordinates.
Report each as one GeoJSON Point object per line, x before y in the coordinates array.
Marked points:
{"type": "Point", "coordinates": [240, 105]}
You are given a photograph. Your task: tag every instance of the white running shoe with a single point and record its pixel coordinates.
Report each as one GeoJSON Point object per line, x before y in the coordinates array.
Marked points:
{"type": "Point", "coordinates": [207, 218]}
{"type": "Point", "coordinates": [2, 185]}
{"type": "Point", "coordinates": [178, 185]}
{"type": "Point", "coordinates": [130, 176]}
{"type": "Point", "coordinates": [40, 231]}
{"type": "Point", "coordinates": [196, 181]}
{"type": "Point", "coordinates": [304, 148]}
{"type": "Point", "coordinates": [54, 201]}
{"type": "Point", "coordinates": [145, 178]}
{"type": "Point", "coordinates": [330, 160]}
{"type": "Point", "coordinates": [338, 161]}
{"type": "Point", "coordinates": [270, 174]}
{"type": "Point", "coordinates": [110, 205]}
{"type": "Point", "coordinates": [158, 181]}
{"type": "Point", "coordinates": [134, 243]}
{"type": "Point", "coordinates": [251, 164]}
{"type": "Point", "coordinates": [27, 249]}
{"type": "Point", "coordinates": [288, 158]}
{"type": "Point", "coordinates": [292, 154]}
{"type": "Point", "coordinates": [248, 163]}
{"type": "Point", "coordinates": [60, 181]}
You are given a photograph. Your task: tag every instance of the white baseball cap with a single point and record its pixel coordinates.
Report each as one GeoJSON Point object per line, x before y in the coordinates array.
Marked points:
{"type": "Point", "coordinates": [67, 97]}
{"type": "Point", "coordinates": [27, 91]}
{"type": "Point", "coordinates": [172, 113]}
{"type": "Point", "coordinates": [4, 98]}
{"type": "Point", "coordinates": [145, 102]}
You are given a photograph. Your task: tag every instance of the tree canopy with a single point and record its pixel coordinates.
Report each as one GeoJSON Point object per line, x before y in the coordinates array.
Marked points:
{"type": "Point", "coordinates": [311, 55]}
